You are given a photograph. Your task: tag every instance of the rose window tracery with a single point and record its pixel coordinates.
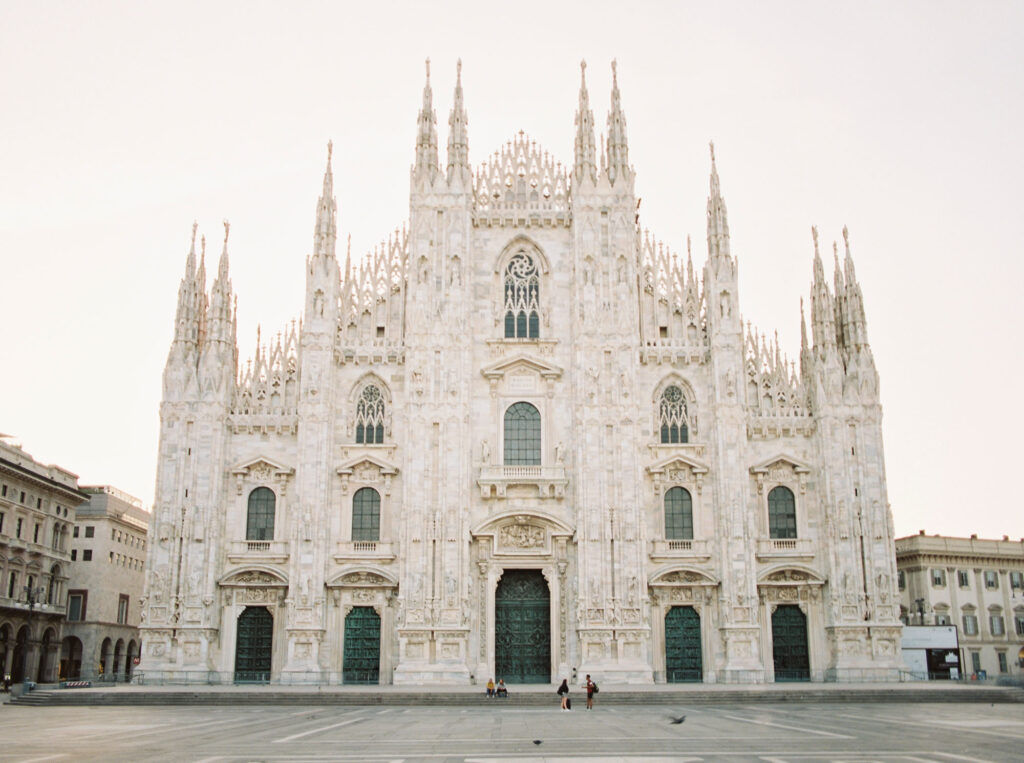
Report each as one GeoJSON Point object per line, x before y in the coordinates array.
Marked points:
{"type": "Point", "coordinates": [522, 298]}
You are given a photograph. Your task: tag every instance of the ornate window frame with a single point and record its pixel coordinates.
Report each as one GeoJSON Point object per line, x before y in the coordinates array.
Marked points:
{"type": "Point", "coordinates": [356, 398]}
{"type": "Point", "coordinates": [689, 416]}
{"type": "Point", "coordinates": [518, 247]}
{"type": "Point", "coordinates": [782, 470]}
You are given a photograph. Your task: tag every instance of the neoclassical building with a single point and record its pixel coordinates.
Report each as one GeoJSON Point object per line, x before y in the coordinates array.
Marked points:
{"type": "Point", "coordinates": [521, 439]}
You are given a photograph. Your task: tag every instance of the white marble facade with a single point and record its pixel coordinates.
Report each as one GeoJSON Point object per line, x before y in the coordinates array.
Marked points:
{"type": "Point", "coordinates": [400, 377]}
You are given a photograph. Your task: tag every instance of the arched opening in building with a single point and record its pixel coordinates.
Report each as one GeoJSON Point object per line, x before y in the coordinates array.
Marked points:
{"type": "Point", "coordinates": [789, 644]}
{"type": "Point", "coordinates": [361, 655]}
{"type": "Point", "coordinates": [46, 650]}
{"type": "Point", "coordinates": [129, 662]}
{"type": "Point", "coordinates": [71, 658]}
{"type": "Point", "coordinates": [105, 656]}
{"type": "Point", "coordinates": [683, 656]}
{"type": "Point", "coordinates": [118, 656]}
{"type": "Point", "coordinates": [254, 645]}
{"type": "Point", "coordinates": [18, 666]}
{"type": "Point", "coordinates": [522, 628]}
{"type": "Point", "coordinates": [5, 643]}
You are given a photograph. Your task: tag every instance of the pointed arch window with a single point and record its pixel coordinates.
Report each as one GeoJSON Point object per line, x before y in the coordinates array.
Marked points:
{"type": "Point", "coordinates": [678, 514]}
{"type": "Point", "coordinates": [522, 435]}
{"type": "Point", "coordinates": [370, 416]}
{"type": "Point", "coordinates": [522, 298]}
{"type": "Point", "coordinates": [672, 415]}
{"type": "Point", "coordinates": [260, 519]}
{"type": "Point", "coordinates": [781, 513]}
{"type": "Point", "coordinates": [366, 514]}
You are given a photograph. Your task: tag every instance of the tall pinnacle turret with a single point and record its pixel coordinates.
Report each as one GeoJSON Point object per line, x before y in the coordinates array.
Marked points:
{"type": "Point", "coordinates": [185, 328]}
{"type": "Point", "coordinates": [426, 136]}
{"type": "Point", "coordinates": [618, 149]}
{"type": "Point", "coordinates": [823, 329]}
{"type": "Point", "coordinates": [718, 219]}
{"type": "Point", "coordinates": [325, 232]}
{"type": "Point", "coordinates": [458, 138]}
{"type": "Point", "coordinates": [856, 319]}
{"type": "Point", "coordinates": [586, 147]}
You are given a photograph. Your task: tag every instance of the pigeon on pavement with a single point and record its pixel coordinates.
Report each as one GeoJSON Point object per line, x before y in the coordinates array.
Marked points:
{"type": "Point", "coordinates": [676, 721]}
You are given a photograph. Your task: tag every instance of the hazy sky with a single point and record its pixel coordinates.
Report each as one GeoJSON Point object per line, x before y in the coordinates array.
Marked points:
{"type": "Point", "coordinates": [123, 122]}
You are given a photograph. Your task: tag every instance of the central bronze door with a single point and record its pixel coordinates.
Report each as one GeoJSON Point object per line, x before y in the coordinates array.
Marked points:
{"type": "Point", "coordinates": [361, 656]}
{"type": "Point", "coordinates": [254, 646]}
{"type": "Point", "coordinates": [522, 628]}
{"type": "Point", "coordinates": [682, 645]}
{"type": "Point", "coordinates": [789, 644]}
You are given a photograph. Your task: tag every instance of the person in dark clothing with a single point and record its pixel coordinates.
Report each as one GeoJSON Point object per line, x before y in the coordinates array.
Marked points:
{"type": "Point", "coordinates": [563, 692]}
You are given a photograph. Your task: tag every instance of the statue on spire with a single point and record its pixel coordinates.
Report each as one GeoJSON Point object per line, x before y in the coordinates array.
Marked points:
{"type": "Point", "coordinates": [586, 148]}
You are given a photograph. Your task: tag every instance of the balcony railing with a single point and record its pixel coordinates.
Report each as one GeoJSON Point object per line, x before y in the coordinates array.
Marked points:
{"type": "Point", "coordinates": [550, 481]}
{"type": "Point", "coordinates": [264, 550]}
{"type": "Point", "coordinates": [365, 549]}
{"type": "Point", "coordinates": [785, 547]}
{"type": "Point", "coordinates": [679, 549]}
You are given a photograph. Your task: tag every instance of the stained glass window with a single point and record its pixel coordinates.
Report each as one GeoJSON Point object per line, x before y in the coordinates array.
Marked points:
{"type": "Point", "coordinates": [370, 416]}
{"type": "Point", "coordinates": [672, 414]}
{"type": "Point", "coordinates": [522, 298]}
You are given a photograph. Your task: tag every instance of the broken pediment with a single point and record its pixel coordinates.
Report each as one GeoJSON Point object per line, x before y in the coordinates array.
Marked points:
{"type": "Point", "coordinates": [369, 470]}
{"type": "Point", "coordinates": [519, 365]}
{"type": "Point", "coordinates": [781, 468]}
{"type": "Point", "coordinates": [679, 469]}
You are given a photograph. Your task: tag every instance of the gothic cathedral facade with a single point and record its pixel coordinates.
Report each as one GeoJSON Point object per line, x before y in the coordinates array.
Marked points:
{"type": "Point", "coordinates": [520, 439]}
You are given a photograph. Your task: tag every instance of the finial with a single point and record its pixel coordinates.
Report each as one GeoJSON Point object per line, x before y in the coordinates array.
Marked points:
{"type": "Point", "coordinates": [814, 234]}
{"type": "Point", "coordinates": [711, 145]}
{"type": "Point", "coordinates": [428, 69]}
{"type": "Point", "coordinates": [615, 73]}
{"type": "Point", "coordinates": [202, 246]}
{"type": "Point", "coordinates": [330, 150]}
{"type": "Point", "coordinates": [688, 251]}
{"type": "Point", "coordinates": [846, 236]}
{"type": "Point", "coordinates": [227, 229]}
{"type": "Point", "coordinates": [835, 250]}
{"type": "Point", "coordinates": [458, 71]}
{"type": "Point", "coordinates": [195, 225]}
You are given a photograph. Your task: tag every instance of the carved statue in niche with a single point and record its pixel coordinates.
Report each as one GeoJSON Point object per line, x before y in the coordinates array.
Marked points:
{"type": "Point", "coordinates": [485, 452]}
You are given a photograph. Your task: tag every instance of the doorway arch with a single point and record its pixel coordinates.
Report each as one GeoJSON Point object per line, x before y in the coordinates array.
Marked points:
{"type": "Point", "coordinates": [361, 650]}
{"type": "Point", "coordinates": [254, 645]}
{"type": "Point", "coordinates": [522, 627]}
{"type": "Point", "coordinates": [789, 644]}
{"type": "Point", "coordinates": [683, 654]}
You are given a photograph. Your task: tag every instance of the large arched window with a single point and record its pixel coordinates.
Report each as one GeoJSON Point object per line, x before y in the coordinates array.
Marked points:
{"type": "Point", "coordinates": [260, 519]}
{"type": "Point", "coordinates": [672, 415]}
{"type": "Point", "coordinates": [522, 435]}
{"type": "Point", "coordinates": [781, 513]}
{"type": "Point", "coordinates": [678, 514]}
{"type": "Point", "coordinates": [370, 416]}
{"type": "Point", "coordinates": [366, 514]}
{"type": "Point", "coordinates": [522, 298]}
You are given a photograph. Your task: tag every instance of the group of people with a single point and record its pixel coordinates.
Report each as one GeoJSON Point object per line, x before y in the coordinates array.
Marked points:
{"type": "Point", "coordinates": [500, 690]}
{"type": "Point", "coordinates": [497, 691]}
{"type": "Point", "coordinates": [563, 692]}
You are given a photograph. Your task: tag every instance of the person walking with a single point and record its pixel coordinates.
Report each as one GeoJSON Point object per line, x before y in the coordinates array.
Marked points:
{"type": "Point", "coordinates": [563, 692]}
{"type": "Point", "coordinates": [591, 687]}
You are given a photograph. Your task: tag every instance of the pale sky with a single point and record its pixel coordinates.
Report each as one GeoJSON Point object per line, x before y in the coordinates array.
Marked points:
{"type": "Point", "coordinates": [122, 122]}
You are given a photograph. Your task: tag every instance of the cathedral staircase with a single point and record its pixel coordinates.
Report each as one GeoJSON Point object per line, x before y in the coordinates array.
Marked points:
{"type": "Point", "coordinates": [526, 696]}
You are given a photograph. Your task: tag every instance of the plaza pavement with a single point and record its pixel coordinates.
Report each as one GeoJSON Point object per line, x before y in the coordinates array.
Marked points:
{"type": "Point", "coordinates": [494, 732]}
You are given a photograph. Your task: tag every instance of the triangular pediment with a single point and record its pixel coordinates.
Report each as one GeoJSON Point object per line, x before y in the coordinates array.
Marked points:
{"type": "Point", "coordinates": [522, 362]}
{"type": "Point", "coordinates": [262, 462]}
{"type": "Point", "coordinates": [675, 462]}
{"type": "Point", "coordinates": [380, 464]}
{"type": "Point", "coordinates": [783, 459]}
